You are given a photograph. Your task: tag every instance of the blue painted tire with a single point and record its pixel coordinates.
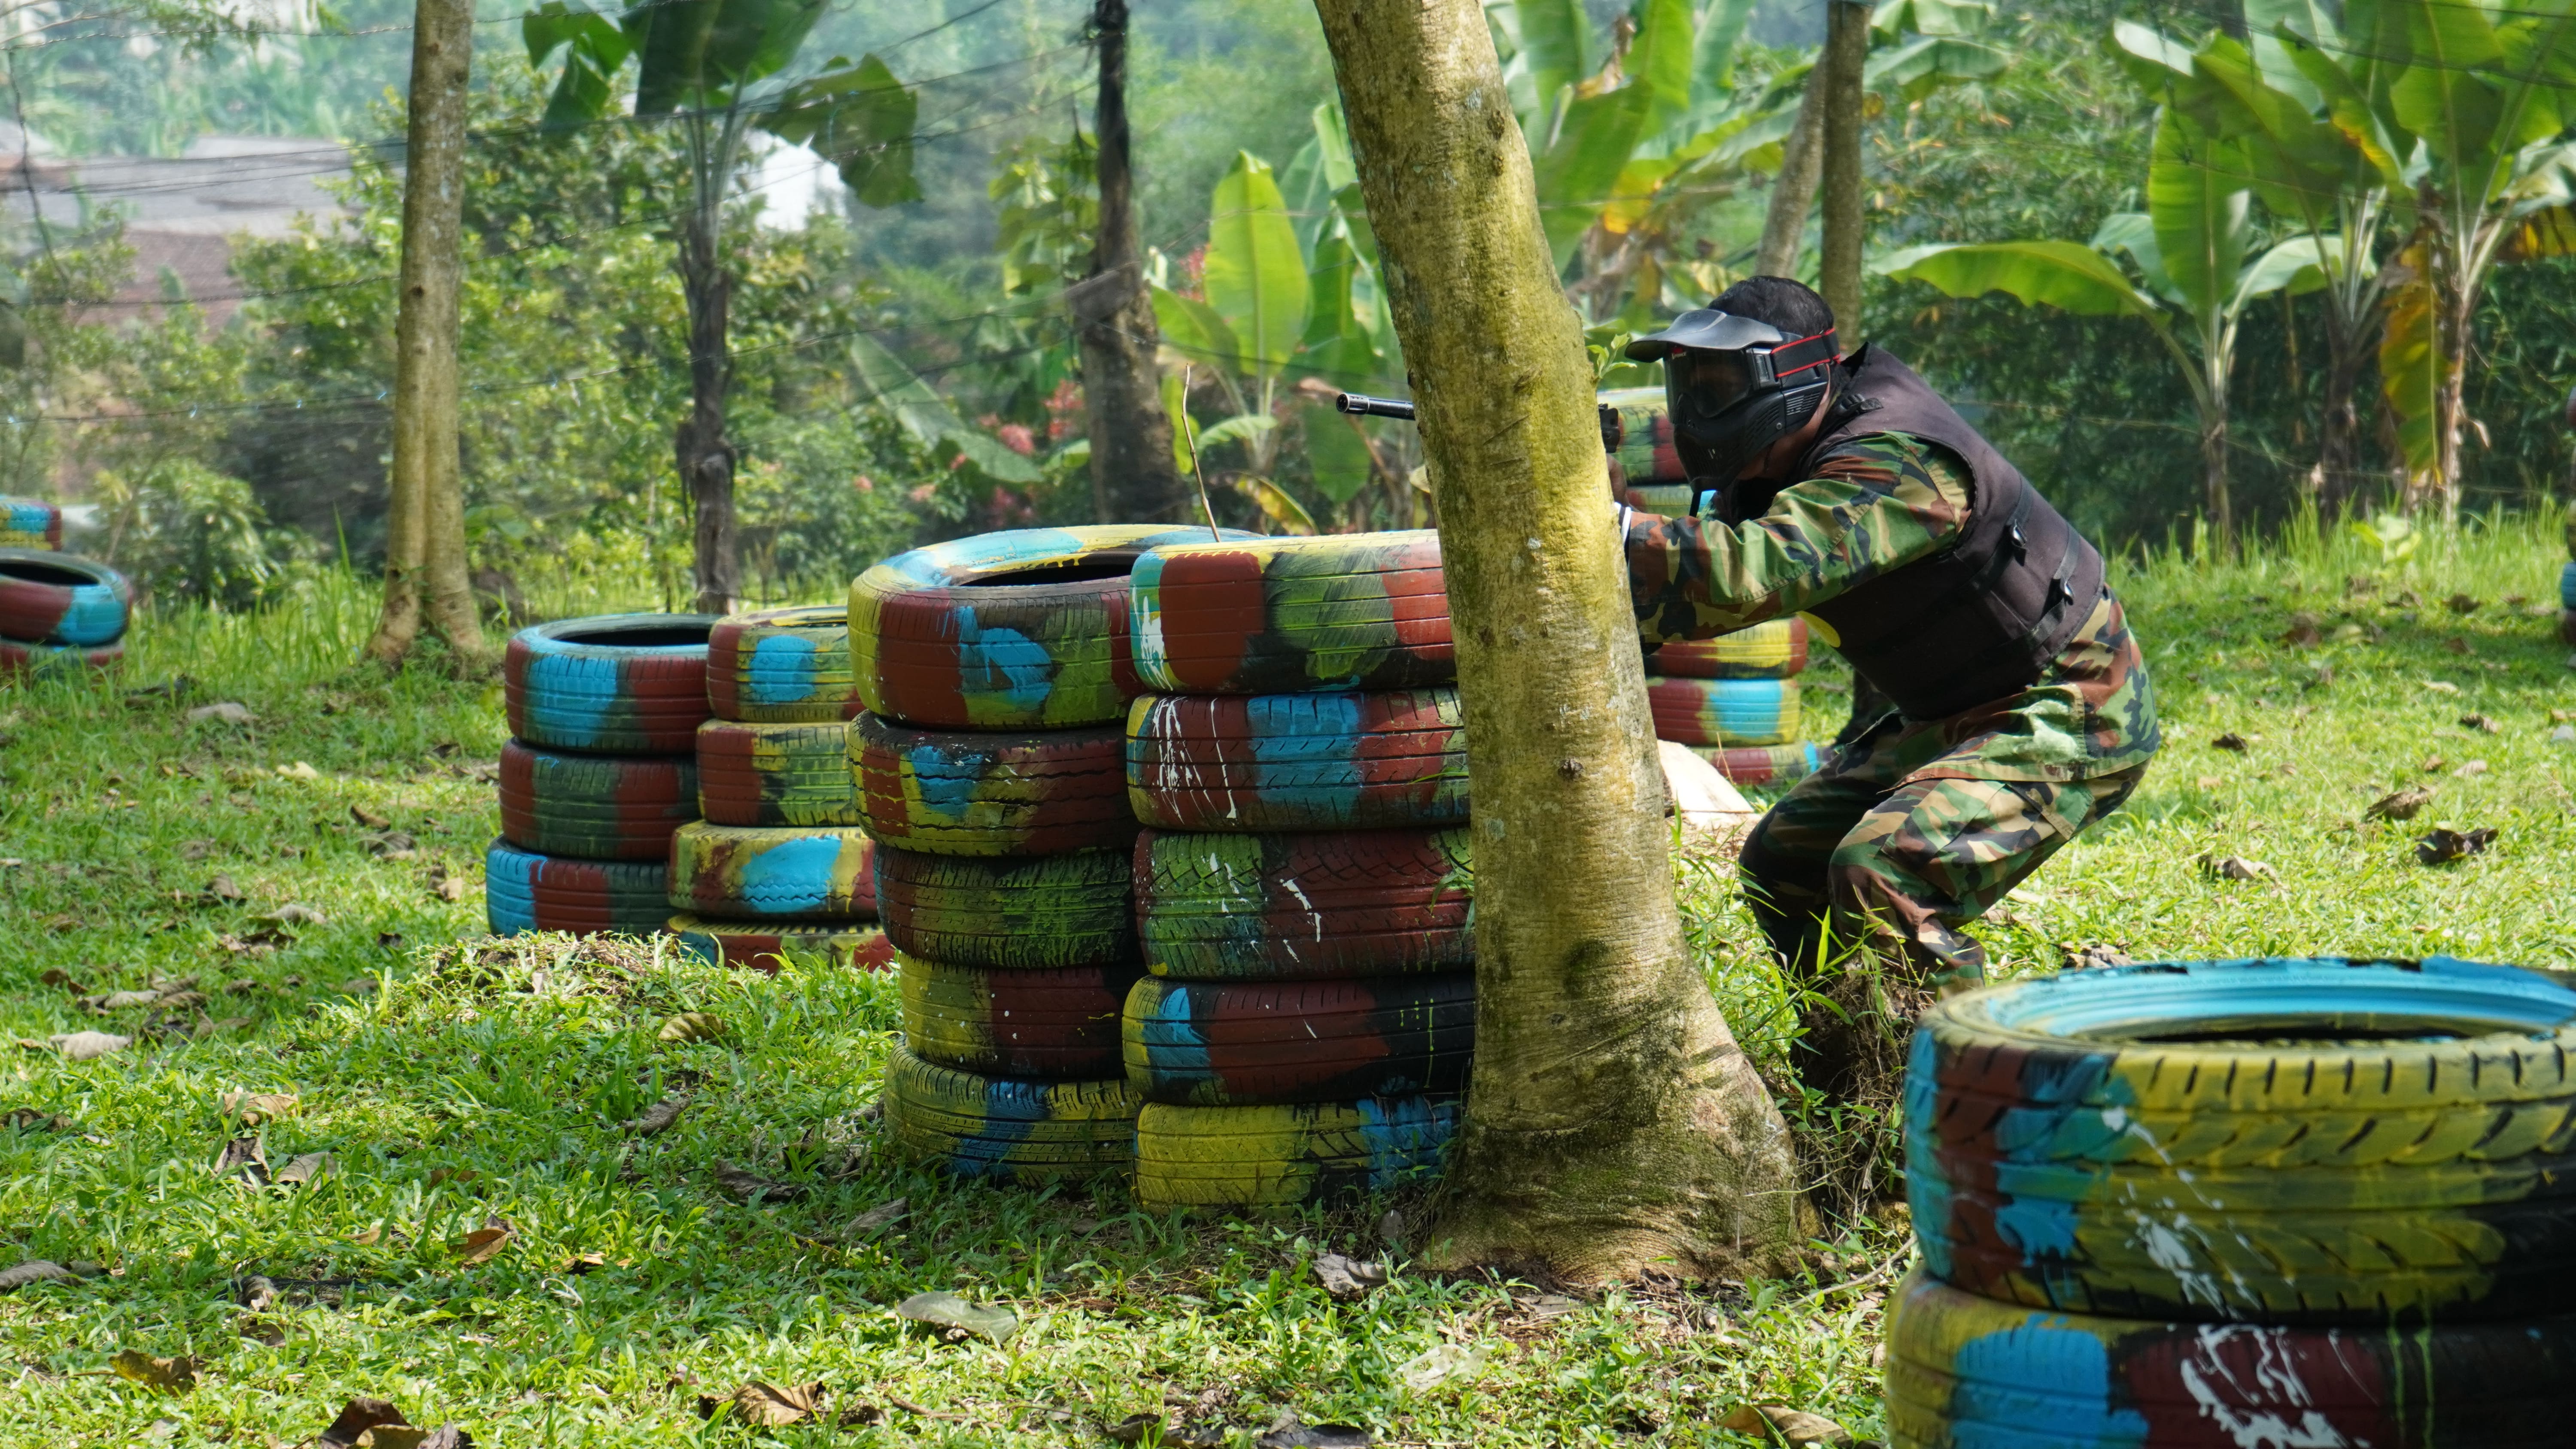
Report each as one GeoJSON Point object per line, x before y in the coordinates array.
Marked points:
{"type": "Point", "coordinates": [1384, 759]}
{"type": "Point", "coordinates": [1252, 1043]}
{"type": "Point", "coordinates": [2567, 585]}
{"type": "Point", "coordinates": [745, 872]}
{"type": "Point", "coordinates": [1283, 1155]}
{"type": "Point", "coordinates": [1965, 1372]}
{"type": "Point", "coordinates": [30, 523]}
{"type": "Point", "coordinates": [56, 598]}
{"type": "Point", "coordinates": [782, 666]}
{"type": "Point", "coordinates": [1729, 712]}
{"type": "Point", "coordinates": [2320, 1141]}
{"type": "Point", "coordinates": [618, 684]}
{"type": "Point", "coordinates": [524, 891]}
{"type": "Point", "coordinates": [1008, 1129]}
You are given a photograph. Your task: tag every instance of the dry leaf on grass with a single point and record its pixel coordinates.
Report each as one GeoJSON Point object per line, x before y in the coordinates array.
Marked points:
{"type": "Point", "coordinates": [2480, 723]}
{"type": "Point", "coordinates": [2236, 867]}
{"type": "Point", "coordinates": [2231, 742]}
{"type": "Point", "coordinates": [369, 818]}
{"type": "Point", "coordinates": [254, 1107]}
{"type": "Point", "coordinates": [2472, 767]}
{"type": "Point", "coordinates": [481, 1245]}
{"type": "Point", "coordinates": [82, 1046]}
{"type": "Point", "coordinates": [1785, 1425]}
{"type": "Point", "coordinates": [34, 1270]}
{"type": "Point", "coordinates": [875, 1220]}
{"type": "Point", "coordinates": [658, 1117]}
{"type": "Point", "coordinates": [947, 1310]}
{"type": "Point", "coordinates": [1291, 1432]}
{"type": "Point", "coordinates": [1348, 1279]}
{"type": "Point", "coordinates": [765, 1405]}
{"type": "Point", "coordinates": [2446, 845]}
{"type": "Point", "coordinates": [222, 712]}
{"type": "Point", "coordinates": [305, 1168]}
{"type": "Point", "coordinates": [2400, 806]}
{"type": "Point", "coordinates": [449, 887]}
{"type": "Point", "coordinates": [691, 1026]}
{"type": "Point", "coordinates": [752, 1187]}
{"type": "Point", "coordinates": [170, 1375]}
{"type": "Point", "coordinates": [2462, 603]}
{"type": "Point", "coordinates": [1440, 1365]}
{"type": "Point", "coordinates": [56, 976]}
{"type": "Point", "coordinates": [298, 771]}
{"type": "Point", "coordinates": [121, 1000]}
{"type": "Point", "coordinates": [294, 913]}
{"type": "Point", "coordinates": [221, 888]}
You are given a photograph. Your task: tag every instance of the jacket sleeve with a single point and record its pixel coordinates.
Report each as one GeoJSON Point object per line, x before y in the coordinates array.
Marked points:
{"type": "Point", "coordinates": [1875, 504]}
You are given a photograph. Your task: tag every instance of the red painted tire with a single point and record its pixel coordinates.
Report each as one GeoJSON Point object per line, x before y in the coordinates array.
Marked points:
{"type": "Point", "coordinates": [776, 774]}
{"type": "Point", "coordinates": [766, 946]}
{"type": "Point", "coordinates": [1776, 649]}
{"type": "Point", "coordinates": [1281, 907]}
{"type": "Point", "coordinates": [524, 891]}
{"type": "Point", "coordinates": [756, 873]}
{"type": "Point", "coordinates": [1288, 615]}
{"type": "Point", "coordinates": [620, 684]}
{"type": "Point", "coordinates": [1764, 764]}
{"type": "Point", "coordinates": [1728, 712]}
{"type": "Point", "coordinates": [1282, 762]}
{"type": "Point", "coordinates": [1058, 1024]}
{"type": "Point", "coordinates": [954, 792]}
{"type": "Point", "coordinates": [595, 807]}
{"type": "Point", "coordinates": [56, 598]}
{"type": "Point", "coordinates": [782, 666]}
{"type": "Point", "coordinates": [1020, 630]}
{"type": "Point", "coordinates": [1646, 453]}
{"type": "Point", "coordinates": [1233, 1043]}
{"type": "Point", "coordinates": [30, 523]}
{"type": "Point", "coordinates": [20, 659]}
{"type": "Point", "coordinates": [1010, 912]}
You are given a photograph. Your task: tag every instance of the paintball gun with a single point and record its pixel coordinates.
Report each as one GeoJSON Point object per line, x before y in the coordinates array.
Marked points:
{"type": "Point", "coordinates": [1360, 404]}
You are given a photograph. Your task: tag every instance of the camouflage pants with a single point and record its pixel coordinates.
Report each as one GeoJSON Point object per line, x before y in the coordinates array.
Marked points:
{"type": "Point", "coordinates": [1862, 853]}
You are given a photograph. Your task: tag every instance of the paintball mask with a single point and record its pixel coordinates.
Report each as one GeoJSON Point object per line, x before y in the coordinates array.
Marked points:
{"type": "Point", "coordinates": [1735, 386]}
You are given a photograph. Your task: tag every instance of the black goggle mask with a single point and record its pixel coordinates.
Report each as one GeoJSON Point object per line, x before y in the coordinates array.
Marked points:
{"type": "Point", "coordinates": [1735, 386]}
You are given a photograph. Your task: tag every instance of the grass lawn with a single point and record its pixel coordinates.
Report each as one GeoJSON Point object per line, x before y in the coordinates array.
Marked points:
{"type": "Point", "coordinates": [460, 1088]}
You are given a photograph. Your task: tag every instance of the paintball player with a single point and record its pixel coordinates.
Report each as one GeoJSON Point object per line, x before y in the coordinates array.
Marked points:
{"type": "Point", "coordinates": [1848, 491]}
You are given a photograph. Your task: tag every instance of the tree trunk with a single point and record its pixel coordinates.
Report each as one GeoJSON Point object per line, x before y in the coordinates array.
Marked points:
{"type": "Point", "coordinates": [1613, 1122]}
{"type": "Point", "coordinates": [2339, 419]}
{"type": "Point", "coordinates": [1133, 479]}
{"type": "Point", "coordinates": [1793, 192]}
{"type": "Point", "coordinates": [425, 523]}
{"type": "Point", "coordinates": [2213, 474]}
{"type": "Point", "coordinates": [1846, 219]}
{"type": "Point", "coordinates": [705, 458]}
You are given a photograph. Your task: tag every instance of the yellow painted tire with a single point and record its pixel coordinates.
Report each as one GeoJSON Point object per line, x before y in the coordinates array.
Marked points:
{"type": "Point", "coordinates": [748, 872]}
{"type": "Point", "coordinates": [1257, 1156]}
{"type": "Point", "coordinates": [1007, 1128]}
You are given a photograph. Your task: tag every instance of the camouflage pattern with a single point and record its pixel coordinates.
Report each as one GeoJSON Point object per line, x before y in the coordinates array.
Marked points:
{"type": "Point", "coordinates": [595, 807]}
{"type": "Point", "coordinates": [1241, 1043]}
{"type": "Point", "coordinates": [1326, 903]}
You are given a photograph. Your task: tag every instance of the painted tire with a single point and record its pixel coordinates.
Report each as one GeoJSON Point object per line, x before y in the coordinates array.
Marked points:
{"type": "Point", "coordinates": [20, 659]}
{"type": "Point", "coordinates": [951, 792]}
{"type": "Point", "coordinates": [1261, 1156]}
{"type": "Point", "coordinates": [1010, 1129]}
{"type": "Point", "coordinates": [30, 523]}
{"type": "Point", "coordinates": [1667, 500]}
{"type": "Point", "coordinates": [595, 807]}
{"type": "Point", "coordinates": [749, 872]}
{"type": "Point", "coordinates": [1646, 454]}
{"type": "Point", "coordinates": [776, 774]}
{"type": "Point", "coordinates": [782, 666]}
{"type": "Point", "coordinates": [1764, 764]}
{"type": "Point", "coordinates": [55, 598]}
{"type": "Point", "coordinates": [2083, 1143]}
{"type": "Point", "coordinates": [525, 891]}
{"type": "Point", "coordinates": [1046, 913]}
{"type": "Point", "coordinates": [1003, 631]}
{"type": "Point", "coordinates": [1289, 615]}
{"type": "Point", "coordinates": [1285, 907]}
{"type": "Point", "coordinates": [1968, 1373]}
{"type": "Point", "coordinates": [1298, 761]}
{"type": "Point", "coordinates": [1733, 712]}
{"type": "Point", "coordinates": [1774, 649]}
{"type": "Point", "coordinates": [1056, 1024]}
{"type": "Point", "coordinates": [1218, 1044]}
{"type": "Point", "coordinates": [764, 946]}
{"type": "Point", "coordinates": [632, 684]}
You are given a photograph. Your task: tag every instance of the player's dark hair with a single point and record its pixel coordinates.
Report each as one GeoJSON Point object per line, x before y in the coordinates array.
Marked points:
{"type": "Point", "coordinates": [1785, 303]}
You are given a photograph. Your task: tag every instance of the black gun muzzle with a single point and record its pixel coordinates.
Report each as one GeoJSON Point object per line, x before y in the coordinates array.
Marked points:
{"type": "Point", "coordinates": [1360, 404]}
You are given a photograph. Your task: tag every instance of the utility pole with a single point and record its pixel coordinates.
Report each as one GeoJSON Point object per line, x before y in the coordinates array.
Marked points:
{"type": "Point", "coordinates": [1846, 57]}
{"type": "Point", "coordinates": [1133, 478]}
{"type": "Point", "coordinates": [425, 532]}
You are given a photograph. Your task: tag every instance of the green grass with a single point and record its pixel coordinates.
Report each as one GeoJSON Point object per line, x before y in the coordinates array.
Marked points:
{"type": "Point", "coordinates": [453, 1086]}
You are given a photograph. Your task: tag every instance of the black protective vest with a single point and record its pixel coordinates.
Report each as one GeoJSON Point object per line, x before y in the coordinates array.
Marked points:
{"type": "Point", "coordinates": [1979, 620]}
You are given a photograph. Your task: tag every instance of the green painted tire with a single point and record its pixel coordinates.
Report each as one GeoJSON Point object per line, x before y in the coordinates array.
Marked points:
{"type": "Point", "coordinates": [1006, 1128]}
{"type": "Point", "coordinates": [1333, 903]}
{"type": "Point", "coordinates": [782, 666]}
{"type": "Point", "coordinates": [2283, 1141]}
{"type": "Point", "coordinates": [1264, 1156]}
{"type": "Point", "coordinates": [1052, 1024]}
{"type": "Point", "coordinates": [740, 872]}
{"type": "Point", "coordinates": [776, 774]}
{"type": "Point", "coordinates": [1017, 913]}
{"type": "Point", "coordinates": [960, 792]}
{"type": "Point", "coordinates": [1340, 611]}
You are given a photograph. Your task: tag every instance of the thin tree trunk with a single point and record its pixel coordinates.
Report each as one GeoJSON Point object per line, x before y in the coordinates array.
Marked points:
{"type": "Point", "coordinates": [1133, 479]}
{"type": "Point", "coordinates": [2339, 420]}
{"type": "Point", "coordinates": [1846, 219]}
{"type": "Point", "coordinates": [424, 483]}
{"type": "Point", "coordinates": [1793, 192]}
{"type": "Point", "coordinates": [1613, 1122]}
{"type": "Point", "coordinates": [2215, 504]}
{"type": "Point", "coordinates": [705, 458]}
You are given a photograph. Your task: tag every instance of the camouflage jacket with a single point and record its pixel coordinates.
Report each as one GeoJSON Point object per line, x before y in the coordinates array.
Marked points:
{"type": "Point", "coordinates": [1879, 503]}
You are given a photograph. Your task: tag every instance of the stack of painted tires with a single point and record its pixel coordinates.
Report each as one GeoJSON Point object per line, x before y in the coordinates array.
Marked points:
{"type": "Point", "coordinates": [1734, 700]}
{"type": "Point", "coordinates": [778, 864]}
{"type": "Point", "coordinates": [1645, 471]}
{"type": "Point", "coordinates": [600, 771]}
{"type": "Point", "coordinates": [2567, 590]}
{"type": "Point", "coordinates": [30, 523]}
{"type": "Point", "coordinates": [994, 671]}
{"type": "Point", "coordinates": [2225, 1203]}
{"type": "Point", "coordinates": [1303, 892]}
{"type": "Point", "coordinates": [58, 613]}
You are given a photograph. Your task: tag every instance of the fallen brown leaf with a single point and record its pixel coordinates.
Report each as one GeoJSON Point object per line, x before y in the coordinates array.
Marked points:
{"type": "Point", "coordinates": [121, 1000]}
{"type": "Point", "coordinates": [658, 1117]}
{"type": "Point", "coordinates": [2401, 805]}
{"type": "Point", "coordinates": [357, 1417]}
{"type": "Point", "coordinates": [2462, 604]}
{"type": "Point", "coordinates": [2446, 845]}
{"type": "Point", "coordinates": [56, 976]}
{"type": "Point", "coordinates": [170, 1375]}
{"type": "Point", "coordinates": [752, 1187]}
{"type": "Point", "coordinates": [34, 1270]}
{"type": "Point", "coordinates": [82, 1046]}
{"type": "Point", "coordinates": [1348, 1279]}
{"type": "Point", "coordinates": [2236, 867]}
{"type": "Point", "coordinates": [691, 1026]}
{"type": "Point", "coordinates": [449, 888]}
{"type": "Point", "coordinates": [2303, 632]}
{"type": "Point", "coordinates": [765, 1405]}
{"type": "Point", "coordinates": [2458, 645]}
{"type": "Point", "coordinates": [2231, 742]}
{"type": "Point", "coordinates": [306, 1167]}
{"type": "Point", "coordinates": [875, 1220]}
{"type": "Point", "coordinates": [1790, 1426]}
{"type": "Point", "coordinates": [2479, 722]}
{"type": "Point", "coordinates": [481, 1245]}
{"type": "Point", "coordinates": [254, 1107]}
{"type": "Point", "coordinates": [222, 888]}
{"type": "Point", "coordinates": [2471, 767]}
{"type": "Point", "coordinates": [368, 818]}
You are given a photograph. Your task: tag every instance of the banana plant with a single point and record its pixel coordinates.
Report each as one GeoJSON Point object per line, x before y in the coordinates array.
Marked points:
{"type": "Point", "coordinates": [717, 68]}
{"type": "Point", "coordinates": [2190, 247]}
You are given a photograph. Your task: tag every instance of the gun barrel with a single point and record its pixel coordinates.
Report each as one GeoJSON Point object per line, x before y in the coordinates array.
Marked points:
{"type": "Point", "coordinates": [1360, 404]}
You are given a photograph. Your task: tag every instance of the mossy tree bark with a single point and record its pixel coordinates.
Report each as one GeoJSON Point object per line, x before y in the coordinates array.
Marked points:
{"type": "Point", "coordinates": [1613, 1121]}
{"type": "Point", "coordinates": [425, 575]}
{"type": "Point", "coordinates": [1842, 68]}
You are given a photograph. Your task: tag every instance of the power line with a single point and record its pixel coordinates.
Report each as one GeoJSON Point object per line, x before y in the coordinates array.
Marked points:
{"type": "Point", "coordinates": [258, 33]}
